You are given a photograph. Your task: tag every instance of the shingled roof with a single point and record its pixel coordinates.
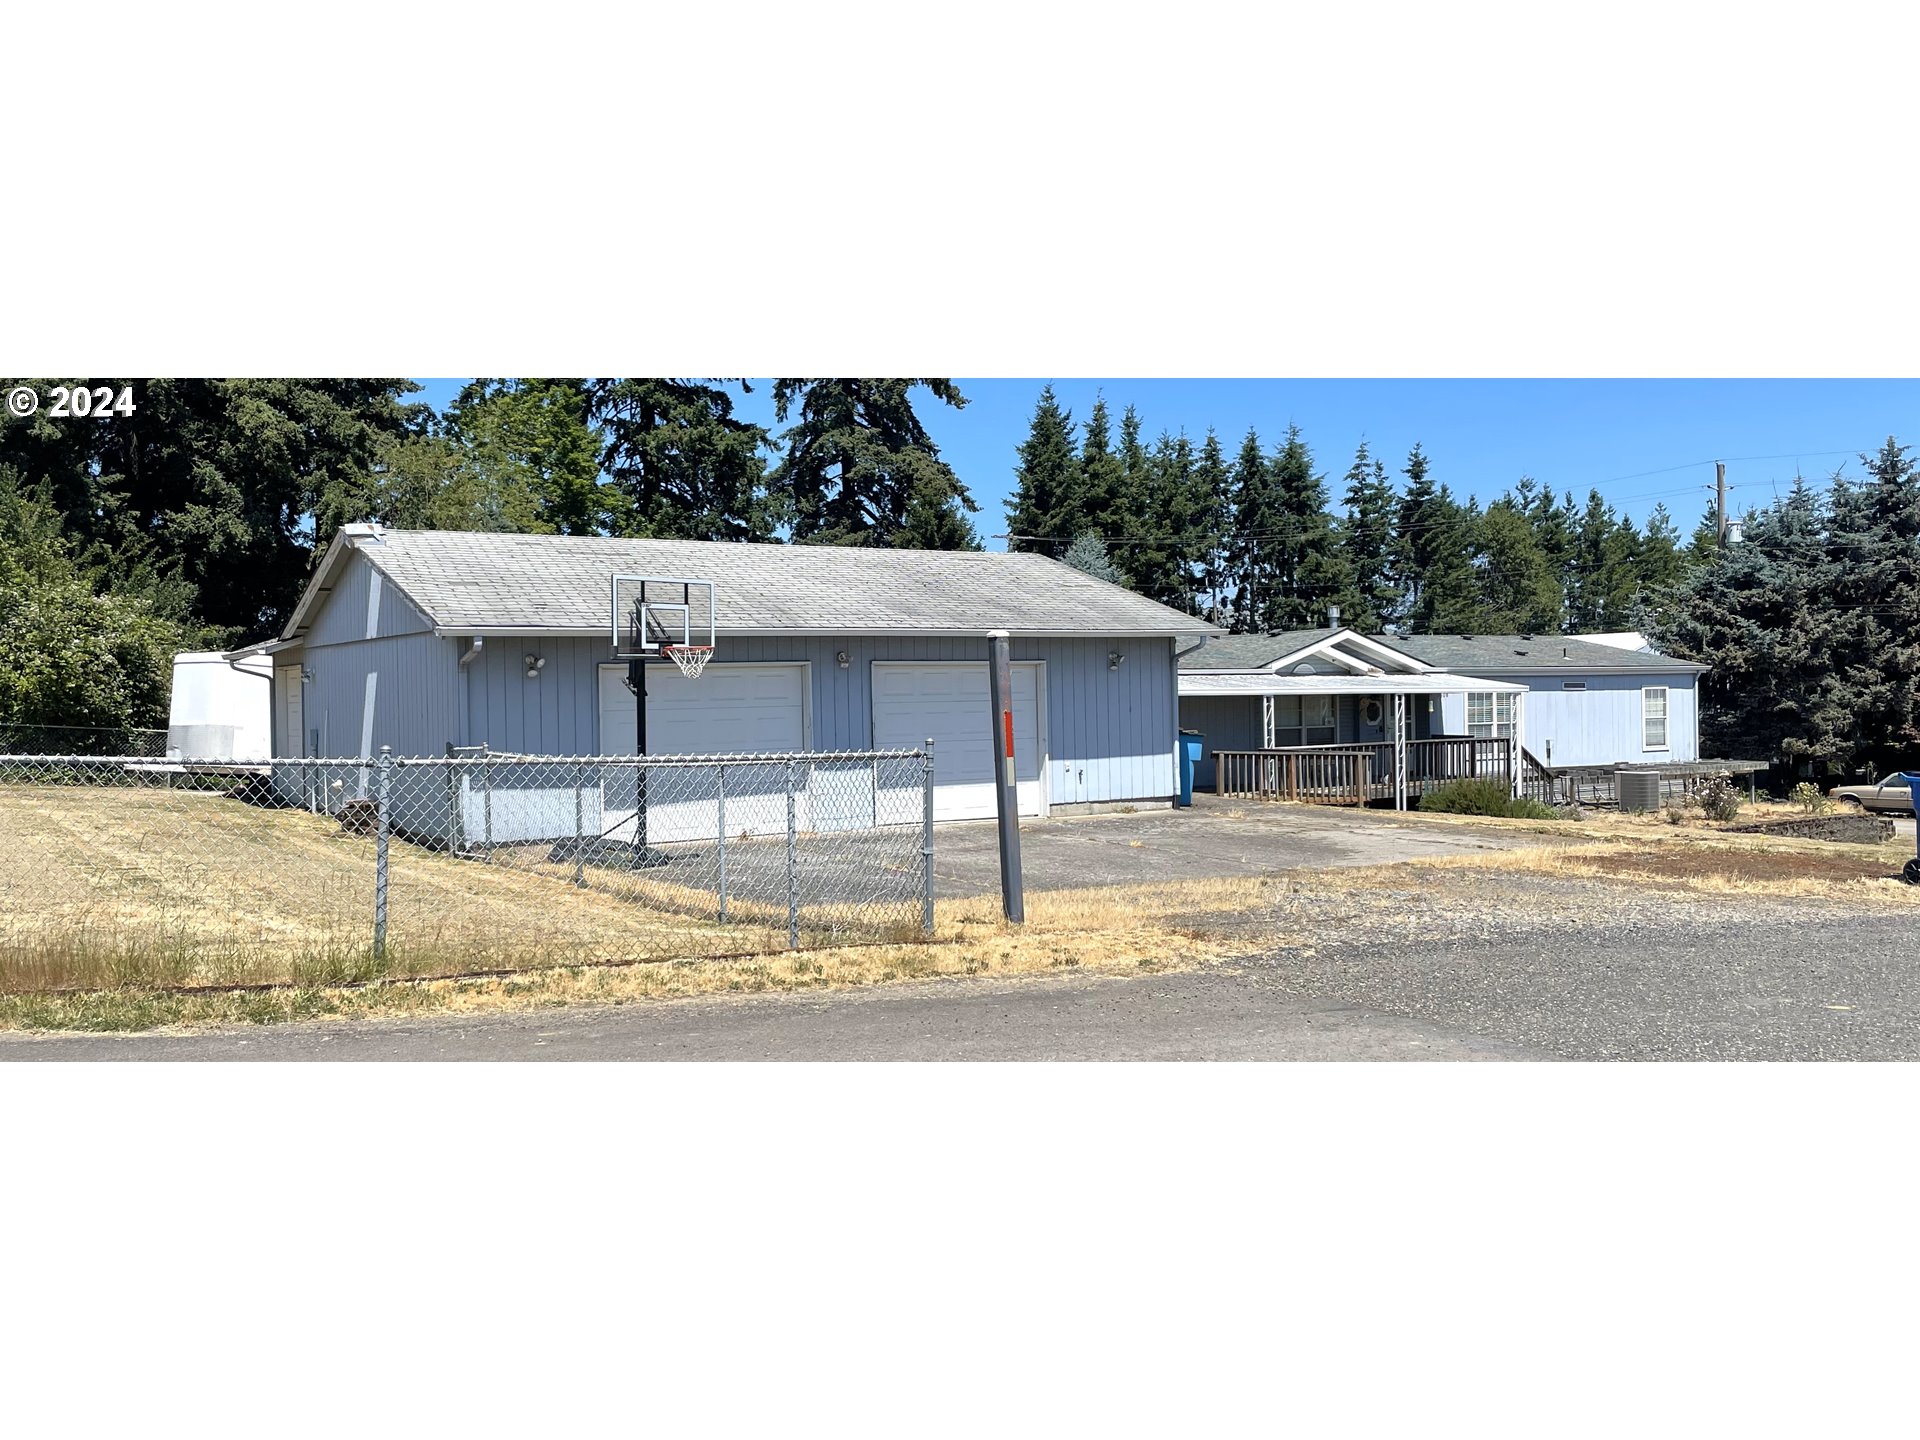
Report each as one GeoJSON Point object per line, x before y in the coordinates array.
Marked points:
{"type": "Point", "coordinates": [1479, 654]}
{"type": "Point", "coordinates": [467, 582]}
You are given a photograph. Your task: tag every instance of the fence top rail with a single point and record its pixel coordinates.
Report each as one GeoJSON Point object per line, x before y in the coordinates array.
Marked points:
{"type": "Point", "coordinates": [762, 757]}
{"type": "Point", "coordinates": [462, 761]}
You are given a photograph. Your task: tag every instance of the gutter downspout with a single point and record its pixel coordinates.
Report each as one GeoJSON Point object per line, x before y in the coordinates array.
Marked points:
{"type": "Point", "coordinates": [1204, 641]}
{"type": "Point", "coordinates": [476, 645]}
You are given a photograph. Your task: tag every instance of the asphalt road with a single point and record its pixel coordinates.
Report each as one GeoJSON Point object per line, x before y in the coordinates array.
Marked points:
{"type": "Point", "coordinates": [1706, 987]}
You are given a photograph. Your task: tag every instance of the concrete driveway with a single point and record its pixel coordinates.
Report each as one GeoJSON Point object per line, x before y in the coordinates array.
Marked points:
{"type": "Point", "coordinates": [1212, 840]}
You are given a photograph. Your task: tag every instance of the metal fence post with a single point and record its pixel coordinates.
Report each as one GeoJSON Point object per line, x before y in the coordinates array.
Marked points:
{"type": "Point", "coordinates": [720, 848]}
{"type": "Point", "coordinates": [456, 805]}
{"type": "Point", "coordinates": [486, 799]}
{"type": "Point", "coordinates": [793, 878]}
{"type": "Point", "coordinates": [380, 853]}
{"type": "Point", "coordinates": [579, 826]}
{"type": "Point", "coordinates": [926, 842]}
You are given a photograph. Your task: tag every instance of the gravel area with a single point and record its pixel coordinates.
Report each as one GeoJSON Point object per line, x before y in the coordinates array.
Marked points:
{"type": "Point", "coordinates": [1598, 970]}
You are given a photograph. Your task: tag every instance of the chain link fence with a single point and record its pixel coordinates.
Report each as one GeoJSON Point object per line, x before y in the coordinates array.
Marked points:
{"type": "Point", "coordinates": [107, 740]}
{"type": "Point", "coordinates": [131, 870]}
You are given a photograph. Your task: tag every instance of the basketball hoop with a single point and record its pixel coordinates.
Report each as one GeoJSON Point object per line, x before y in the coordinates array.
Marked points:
{"type": "Point", "coordinates": [691, 659]}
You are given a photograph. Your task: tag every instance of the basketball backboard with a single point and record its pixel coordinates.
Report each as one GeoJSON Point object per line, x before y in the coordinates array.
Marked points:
{"type": "Point", "coordinates": [651, 615]}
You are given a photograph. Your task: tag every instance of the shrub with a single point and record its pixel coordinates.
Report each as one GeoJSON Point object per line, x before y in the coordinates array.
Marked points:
{"type": "Point", "coordinates": [1676, 814]}
{"type": "Point", "coordinates": [1483, 797]}
{"type": "Point", "coordinates": [1808, 797]}
{"type": "Point", "coordinates": [1719, 799]}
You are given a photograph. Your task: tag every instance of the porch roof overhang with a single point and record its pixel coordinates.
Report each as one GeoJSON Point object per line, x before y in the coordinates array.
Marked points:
{"type": "Point", "coordinates": [1431, 682]}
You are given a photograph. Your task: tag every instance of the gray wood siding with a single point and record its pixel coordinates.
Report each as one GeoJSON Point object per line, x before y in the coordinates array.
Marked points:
{"type": "Point", "coordinates": [1110, 733]}
{"type": "Point", "coordinates": [416, 702]}
{"type": "Point", "coordinates": [343, 618]}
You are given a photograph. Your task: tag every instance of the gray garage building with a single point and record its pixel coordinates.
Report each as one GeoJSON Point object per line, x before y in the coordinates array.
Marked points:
{"type": "Point", "coordinates": [422, 639]}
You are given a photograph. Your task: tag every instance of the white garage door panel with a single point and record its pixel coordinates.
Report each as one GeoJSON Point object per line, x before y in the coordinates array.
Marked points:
{"type": "Point", "coordinates": [730, 710]}
{"type": "Point", "coordinates": [950, 703]}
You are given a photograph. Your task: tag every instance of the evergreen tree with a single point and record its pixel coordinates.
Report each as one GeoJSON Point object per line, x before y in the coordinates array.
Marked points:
{"type": "Point", "coordinates": [1311, 571]}
{"type": "Point", "coordinates": [1552, 520]}
{"type": "Point", "coordinates": [1812, 626]}
{"type": "Point", "coordinates": [1102, 476]}
{"type": "Point", "coordinates": [1132, 499]}
{"type": "Point", "coordinates": [1604, 570]}
{"type": "Point", "coordinates": [1518, 593]}
{"type": "Point", "coordinates": [1213, 499]}
{"type": "Point", "coordinates": [1049, 498]}
{"type": "Point", "coordinates": [1089, 553]}
{"type": "Point", "coordinates": [1661, 564]}
{"type": "Point", "coordinates": [1365, 538]}
{"type": "Point", "coordinates": [1440, 590]}
{"type": "Point", "coordinates": [681, 465]}
{"type": "Point", "coordinates": [1167, 555]}
{"type": "Point", "coordinates": [1250, 551]}
{"type": "Point", "coordinates": [861, 469]}
{"type": "Point", "coordinates": [211, 485]}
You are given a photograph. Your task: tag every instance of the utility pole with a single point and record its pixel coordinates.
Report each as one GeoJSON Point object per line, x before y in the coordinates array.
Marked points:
{"type": "Point", "coordinates": [1720, 499]}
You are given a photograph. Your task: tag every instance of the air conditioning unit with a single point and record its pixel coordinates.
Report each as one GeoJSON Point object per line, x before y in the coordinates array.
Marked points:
{"type": "Point", "coordinates": [1638, 789]}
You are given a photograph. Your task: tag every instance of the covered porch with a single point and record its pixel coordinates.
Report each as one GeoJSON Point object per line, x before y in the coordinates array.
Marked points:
{"type": "Point", "coordinates": [1346, 739]}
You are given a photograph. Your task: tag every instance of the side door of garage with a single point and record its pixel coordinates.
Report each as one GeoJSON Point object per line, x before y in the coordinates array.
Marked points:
{"type": "Point", "coordinates": [949, 702]}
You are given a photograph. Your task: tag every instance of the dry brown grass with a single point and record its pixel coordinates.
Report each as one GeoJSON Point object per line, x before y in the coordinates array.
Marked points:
{"type": "Point", "coordinates": [177, 887]}
{"type": "Point", "coordinates": [1107, 931]}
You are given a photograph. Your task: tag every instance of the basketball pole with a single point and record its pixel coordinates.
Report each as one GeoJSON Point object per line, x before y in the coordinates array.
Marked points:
{"type": "Point", "coordinates": [637, 682]}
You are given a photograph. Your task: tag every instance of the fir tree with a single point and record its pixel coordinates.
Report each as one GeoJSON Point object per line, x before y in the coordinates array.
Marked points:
{"type": "Point", "coordinates": [1049, 497]}
{"type": "Point", "coordinates": [1167, 556]}
{"type": "Point", "coordinates": [1440, 592]}
{"type": "Point", "coordinates": [684, 466]}
{"type": "Point", "coordinates": [1603, 567]}
{"type": "Point", "coordinates": [1311, 572]}
{"type": "Point", "coordinates": [1661, 564]}
{"type": "Point", "coordinates": [1519, 593]}
{"type": "Point", "coordinates": [1250, 551]}
{"type": "Point", "coordinates": [1365, 537]}
{"type": "Point", "coordinates": [861, 469]}
{"type": "Point", "coordinates": [1101, 475]}
{"type": "Point", "coordinates": [1212, 489]}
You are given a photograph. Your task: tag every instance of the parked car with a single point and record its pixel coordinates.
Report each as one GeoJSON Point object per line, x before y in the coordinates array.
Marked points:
{"type": "Point", "coordinates": [1891, 794]}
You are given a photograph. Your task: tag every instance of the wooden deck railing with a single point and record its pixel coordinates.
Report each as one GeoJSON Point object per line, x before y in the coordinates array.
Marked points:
{"type": "Point", "coordinates": [1355, 774]}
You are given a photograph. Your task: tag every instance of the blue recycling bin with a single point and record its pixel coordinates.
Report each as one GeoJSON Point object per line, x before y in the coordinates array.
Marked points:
{"type": "Point", "coordinates": [1192, 747]}
{"type": "Point", "coordinates": [1912, 873]}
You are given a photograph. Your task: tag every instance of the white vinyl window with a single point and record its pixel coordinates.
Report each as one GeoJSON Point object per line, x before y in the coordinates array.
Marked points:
{"type": "Point", "coordinates": [1653, 717]}
{"type": "Point", "coordinates": [1489, 714]}
{"type": "Point", "coordinates": [1303, 720]}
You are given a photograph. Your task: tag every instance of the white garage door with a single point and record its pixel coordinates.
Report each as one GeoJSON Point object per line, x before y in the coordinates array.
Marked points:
{"type": "Point", "coordinates": [949, 703]}
{"type": "Point", "coordinates": [729, 710]}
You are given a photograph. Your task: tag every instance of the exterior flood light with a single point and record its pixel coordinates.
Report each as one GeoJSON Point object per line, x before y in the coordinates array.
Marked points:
{"type": "Point", "coordinates": [842, 659]}
{"type": "Point", "coordinates": [535, 664]}
{"type": "Point", "coordinates": [1115, 659]}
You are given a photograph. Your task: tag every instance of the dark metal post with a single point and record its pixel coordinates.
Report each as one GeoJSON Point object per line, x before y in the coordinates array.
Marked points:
{"type": "Point", "coordinates": [793, 876]}
{"type": "Point", "coordinates": [926, 843]}
{"type": "Point", "coordinates": [486, 798]}
{"type": "Point", "coordinates": [637, 682]}
{"type": "Point", "coordinates": [383, 793]}
{"type": "Point", "coordinates": [1000, 683]}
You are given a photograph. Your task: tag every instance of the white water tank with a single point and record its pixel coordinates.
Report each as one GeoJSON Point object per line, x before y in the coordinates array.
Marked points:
{"type": "Point", "coordinates": [221, 711]}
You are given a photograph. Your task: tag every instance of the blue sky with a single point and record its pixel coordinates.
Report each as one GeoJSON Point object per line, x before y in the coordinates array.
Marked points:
{"type": "Point", "coordinates": [1482, 435]}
